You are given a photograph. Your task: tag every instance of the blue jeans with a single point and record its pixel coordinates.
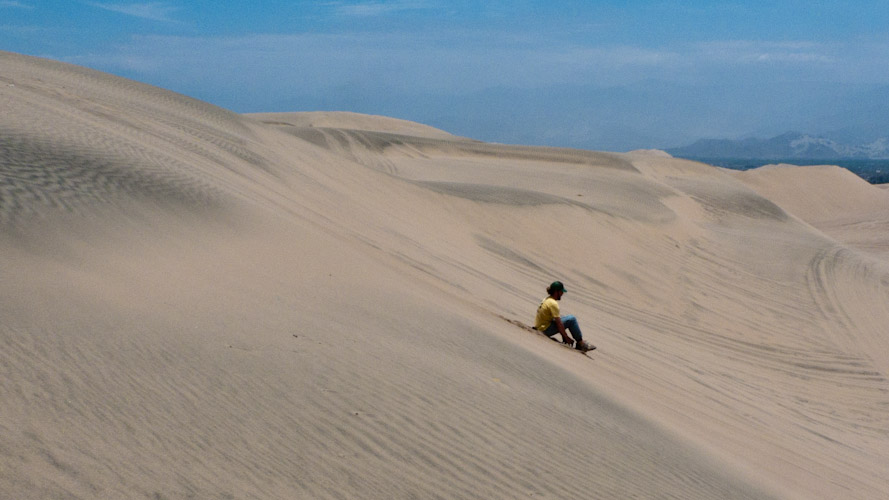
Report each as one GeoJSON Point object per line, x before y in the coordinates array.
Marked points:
{"type": "Point", "coordinates": [570, 323]}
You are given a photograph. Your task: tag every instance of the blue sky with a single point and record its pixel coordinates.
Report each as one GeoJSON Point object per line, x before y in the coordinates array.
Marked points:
{"type": "Point", "coordinates": [612, 75]}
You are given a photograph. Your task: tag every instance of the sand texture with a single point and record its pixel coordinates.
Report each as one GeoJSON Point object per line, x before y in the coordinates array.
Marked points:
{"type": "Point", "coordinates": [200, 304]}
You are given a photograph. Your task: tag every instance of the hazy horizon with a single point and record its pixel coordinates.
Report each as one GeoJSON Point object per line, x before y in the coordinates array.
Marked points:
{"type": "Point", "coordinates": [597, 75]}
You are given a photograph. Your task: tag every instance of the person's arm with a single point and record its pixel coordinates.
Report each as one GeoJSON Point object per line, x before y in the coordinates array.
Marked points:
{"type": "Point", "coordinates": [565, 337]}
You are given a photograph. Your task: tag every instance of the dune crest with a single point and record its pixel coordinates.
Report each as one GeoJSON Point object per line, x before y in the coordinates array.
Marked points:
{"type": "Point", "coordinates": [351, 121]}
{"type": "Point", "coordinates": [198, 303]}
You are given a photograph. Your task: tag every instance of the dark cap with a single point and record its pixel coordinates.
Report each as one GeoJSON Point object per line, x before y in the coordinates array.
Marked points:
{"type": "Point", "coordinates": [556, 286]}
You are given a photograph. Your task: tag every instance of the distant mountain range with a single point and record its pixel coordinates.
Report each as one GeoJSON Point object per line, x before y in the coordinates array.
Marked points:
{"type": "Point", "coordinates": [791, 145]}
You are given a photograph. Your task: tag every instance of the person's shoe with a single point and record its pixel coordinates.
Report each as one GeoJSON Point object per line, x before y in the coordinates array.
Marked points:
{"type": "Point", "coordinates": [584, 346]}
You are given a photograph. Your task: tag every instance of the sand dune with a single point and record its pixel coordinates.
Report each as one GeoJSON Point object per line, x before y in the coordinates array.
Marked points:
{"type": "Point", "coordinates": [201, 304]}
{"type": "Point", "coordinates": [833, 199]}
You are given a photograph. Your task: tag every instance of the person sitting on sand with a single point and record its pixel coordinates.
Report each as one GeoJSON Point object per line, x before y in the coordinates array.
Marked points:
{"type": "Point", "coordinates": [550, 322]}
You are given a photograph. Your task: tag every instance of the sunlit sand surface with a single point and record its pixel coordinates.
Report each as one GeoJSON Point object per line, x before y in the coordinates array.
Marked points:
{"type": "Point", "coordinates": [197, 303]}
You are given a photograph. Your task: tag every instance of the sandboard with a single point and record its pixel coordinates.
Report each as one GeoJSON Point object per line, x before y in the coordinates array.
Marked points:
{"type": "Point", "coordinates": [554, 339]}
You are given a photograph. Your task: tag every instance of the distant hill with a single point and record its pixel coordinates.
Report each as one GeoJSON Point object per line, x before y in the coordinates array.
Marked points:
{"type": "Point", "coordinates": [785, 146]}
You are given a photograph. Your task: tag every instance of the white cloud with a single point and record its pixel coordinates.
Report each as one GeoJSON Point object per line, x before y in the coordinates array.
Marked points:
{"type": "Point", "coordinates": [29, 30]}
{"type": "Point", "coordinates": [154, 11]}
{"type": "Point", "coordinates": [746, 52]}
{"type": "Point", "coordinates": [378, 8]}
{"type": "Point", "coordinates": [618, 56]}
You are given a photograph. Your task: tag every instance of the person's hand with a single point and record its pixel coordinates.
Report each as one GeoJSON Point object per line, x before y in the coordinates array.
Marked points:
{"type": "Point", "coordinates": [568, 340]}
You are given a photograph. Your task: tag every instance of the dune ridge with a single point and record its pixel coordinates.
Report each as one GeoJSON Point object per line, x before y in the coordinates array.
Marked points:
{"type": "Point", "coordinates": [198, 303]}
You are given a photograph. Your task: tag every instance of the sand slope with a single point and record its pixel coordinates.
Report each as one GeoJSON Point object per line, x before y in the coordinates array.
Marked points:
{"type": "Point", "coordinates": [201, 304]}
{"type": "Point", "coordinates": [832, 199]}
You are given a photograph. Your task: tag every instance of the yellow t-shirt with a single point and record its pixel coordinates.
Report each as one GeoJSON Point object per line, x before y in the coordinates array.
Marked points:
{"type": "Point", "coordinates": [548, 310]}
